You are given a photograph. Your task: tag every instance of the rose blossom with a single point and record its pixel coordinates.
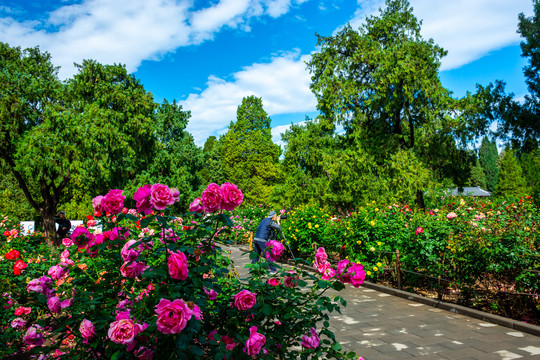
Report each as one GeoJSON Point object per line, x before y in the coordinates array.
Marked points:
{"type": "Point", "coordinates": [123, 331]}
{"type": "Point", "coordinates": [21, 310]}
{"type": "Point", "coordinates": [81, 236]}
{"type": "Point", "coordinates": [178, 265]}
{"type": "Point", "coordinates": [172, 316]}
{"type": "Point", "coordinates": [67, 242]}
{"type": "Point", "coordinates": [66, 303]}
{"type": "Point", "coordinates": [273, 282]}
{"type": "Point", "coordinates": [54, 304]}
{"type": "Point", "coordinates": [245, 300]}
{"type": "Point", "coordinates": [57, 272]}
{"type": "Point", "coordinates": [87, 329]}
{"type": "Point", "coordinates": [144, 353]}
{"type": "Point", "coordinates": [358, 275]}
{"type": "Point", "coordinates": [18, 323]}
{"type": "Point", "coordinates": [211, 198]}
{"type": "Point", "coordinates": [142, 197]}
{"type": "Point", "coordinates": [113, 202]}
{"type": "Point", "coordinates": [320, 258]}
{"type": "Point", "coordinates": [132, 270]}
{"type": "Point", "coordinates": [231, 196]}
{"type": "Point", "coordinates": [33, 336]}
{"type": "Point", "coordinates": [419, 230]}
{"type": "Point", "coordinates": [311, 341]}
{"type": "Point", "coordinates": [41, 285]}
{"type": "Point", "coordinates": [451, 215]}
{"type": "Point", "coordinates": [255, 342]}
{"type": "Point", "coordinates": [211, 294]}
{"type": "Point", "coordinates": [161, 196]}
{"type": "Point", "coordinates": [130, 254]}
{"type": "Point", "coordinates": [276, 250]}
{"type": "Point", "coordinates": [96, 203]}
{"type": "Point", "coordinates": [196, 206]}
{"type": "Point", "coordinates": [230, 343]}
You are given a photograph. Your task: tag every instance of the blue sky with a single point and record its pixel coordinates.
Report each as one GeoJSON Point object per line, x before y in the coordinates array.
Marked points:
{"type": "Point", "coordinates": [208, 55]}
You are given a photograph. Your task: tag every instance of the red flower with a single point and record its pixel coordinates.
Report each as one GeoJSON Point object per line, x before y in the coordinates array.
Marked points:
{"type": "Point", "coordinates": [7, 233]}
{"type": "Point", "coordinates": [13, 254]}
{"type": "Point", "coordinates": [89, 217]}
{"type": "Point", "coordinates": [19, 265]}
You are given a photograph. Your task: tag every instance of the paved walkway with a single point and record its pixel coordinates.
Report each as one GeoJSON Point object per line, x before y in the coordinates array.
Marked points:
{"type": "Point", "coordinates": [379, 326]}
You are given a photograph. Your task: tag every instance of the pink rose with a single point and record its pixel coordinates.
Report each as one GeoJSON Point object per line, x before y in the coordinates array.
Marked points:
{"type": "Point", "coordinates": [273, 282]}
{"type": "Point", "coordinates": [54, 304]}
{"type": "Point", "coordinates": [211, 198]}
{"type": "Point", "coordinates": [87, 329]}
{"type": "Point", "coordinates": [211, 294]}
{"type": "Point", "coordinates": [81, 236]}
{"type": "Point", "coordinates": [451, 215]}
{"type": "Point", "coordinates": [196, 206]}
{"type": "Point", "coordinates": [255, 342]}
{"type": "Point", "coordinates": [358, 275]}
{"type": "Point", "coordinates": [41, 285]}
{"type": "Point", "coordinates": [132, 270]}
{"type": "Point", "coordinates": [161, 196]}
{"type": "Point", "coordinates": [18, 323]}
{"type": "Point", "coordinates": [172, 316]}
{"type": "Point", "coordinates": [113, 202]}
{"type": "Point", "coordinates": [231, 196]}
{"type": "Point", "coordinates": [130, 254]}
{"type": "Point", "coordinates": [311, 339]}
{"type": "Point", "coordinates": [419, 230]}
{"type": "Point", "coordinates": [320, 258]}
{"type": "Point", "coordinates": [22, 310]}
{"type": "Point", "coordinates": [245, 300]}
{"type": "Point", "coordinates": [328, 272]}
{"type": "Point", "coordinates": [276, 250]}
{"type": "Point", "coordinates": [342, 265]}
{"type": "Point", "coordinates": [66, 303]}
{"type": "Point", "coordinates": [34, 336]}
{"type": "Point", "coordinates": [230, 343]}
{"type": "Point", "coordinates": [67, 242]}
{"type": "Point", "coordinates": [57, 272]}
{"type": "Point", "coordinates": [142, 197]}
{"type": "Point", "coordinates": [144, 353]}
{"type": "Point", "coordinates": [196, 311]}
{"type": "Point", "coordinates": [292, 280]}
{"type": "Point", "coordinates": [96, 203]}
{"type": "Point", "coordinates": [178, 265]}
{"type": "Point", "coordinates": [123, 331]}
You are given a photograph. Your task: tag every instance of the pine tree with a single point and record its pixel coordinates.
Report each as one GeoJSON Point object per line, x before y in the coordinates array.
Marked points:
{"type": "Point", "coordinates": [250, 158]}
{"type": "Point", "coordinates": [488, 160]}
{"type": "Point", "coordinates": [478, 177]}
{"type": "Point", "coordinates": [511, 181]}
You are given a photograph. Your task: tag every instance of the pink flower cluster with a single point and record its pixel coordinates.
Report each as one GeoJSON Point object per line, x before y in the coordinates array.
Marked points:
{"type": "Point", "coordinates": [157, 196]}
{"type": "Point", "coordinates": [43, 285]}
{"type": "Point", "coordinates": [347, 272]}
{"type": "Point", "coordinates": [112, 203]}
{"type": "Point", "coordinates": [215, 197]}
{"type": "Point", "coordinates": [311, 339]}
{"type": "Point", "coordinates": [276, 250]}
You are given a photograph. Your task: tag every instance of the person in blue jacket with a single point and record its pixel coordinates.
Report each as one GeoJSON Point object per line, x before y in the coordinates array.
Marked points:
{"type": "Point", "coordinates": [266, 227]}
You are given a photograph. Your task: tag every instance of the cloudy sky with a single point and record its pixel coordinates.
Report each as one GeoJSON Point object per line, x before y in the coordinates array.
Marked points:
{"type": "Point", "coordinates": [209, 54]}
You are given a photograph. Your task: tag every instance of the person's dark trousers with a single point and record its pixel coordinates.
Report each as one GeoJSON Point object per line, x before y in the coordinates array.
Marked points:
{"type": "Point", "coordinates": [260, 246]}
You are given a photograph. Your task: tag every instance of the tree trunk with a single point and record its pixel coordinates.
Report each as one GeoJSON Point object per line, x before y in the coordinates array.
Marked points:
{"type": "Point", "coordinates": [420, 199]}
{"type": "Point", "coordinates": [47, 213]}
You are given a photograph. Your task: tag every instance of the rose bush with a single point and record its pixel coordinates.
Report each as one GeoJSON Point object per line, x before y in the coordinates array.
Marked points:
{"type": "Point", "coordinates": [150, 286]}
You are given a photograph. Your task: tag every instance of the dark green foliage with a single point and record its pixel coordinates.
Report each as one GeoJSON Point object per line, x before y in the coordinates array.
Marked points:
{"type": "Point", "coordinates": [478, 177]}
{"type": "Point", "coordinates": [511, 181]}
{"type": "Point", "coordinates": [250, 158]}
{"type": "Point", "coordinates": [488, 156]}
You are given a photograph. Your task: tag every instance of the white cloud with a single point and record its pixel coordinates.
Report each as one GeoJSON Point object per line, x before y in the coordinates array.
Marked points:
{"type": "Point", "coordinates": [279, 130]}
{"type": "Point", "coordinates": [130, 31]}
{"type": "Point", "coordinates": [467, 29]}
{"type": "Point", "coordinates": [283, 85]}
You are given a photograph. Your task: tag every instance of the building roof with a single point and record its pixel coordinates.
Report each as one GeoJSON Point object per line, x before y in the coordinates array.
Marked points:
{"type": "Point", "coordinates": [469, 191]}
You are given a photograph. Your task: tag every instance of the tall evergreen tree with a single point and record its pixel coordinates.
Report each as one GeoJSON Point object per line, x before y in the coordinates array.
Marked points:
{"type": "Point", "coordinates": [511, 181]}
{"type": "Point", "coordinates": [250, 158]}
{"type": "Point", "coordinates": [488, 160]}
{"type": "Point", "coordinates": [478, 177]}
{"type": "Point", "coordinates": [530, 163]}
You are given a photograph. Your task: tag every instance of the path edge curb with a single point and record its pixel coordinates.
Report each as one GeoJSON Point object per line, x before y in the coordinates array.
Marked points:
{"type": "Point", "coordinates": [454, 308]}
